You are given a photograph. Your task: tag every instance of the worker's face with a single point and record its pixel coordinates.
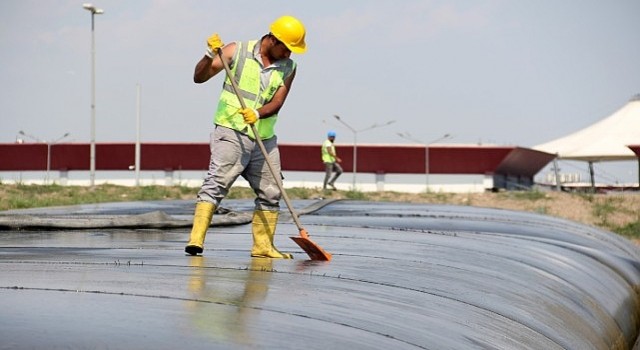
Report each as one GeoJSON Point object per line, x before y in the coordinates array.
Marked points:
{"type": "Point", "coordinates": [332, 138]}
{"type": "Point", "coordinates": [279, 50]}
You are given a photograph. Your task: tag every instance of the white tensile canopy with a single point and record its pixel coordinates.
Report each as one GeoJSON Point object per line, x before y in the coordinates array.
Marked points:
{"type": "Point", "coordinates": [606, 140]}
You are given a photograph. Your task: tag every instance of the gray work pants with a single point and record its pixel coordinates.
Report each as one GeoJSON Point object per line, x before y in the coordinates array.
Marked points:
{"type": "Point", "coordinates": [329, 168]}
{"type": "Point", "coordinates": [234, 154]}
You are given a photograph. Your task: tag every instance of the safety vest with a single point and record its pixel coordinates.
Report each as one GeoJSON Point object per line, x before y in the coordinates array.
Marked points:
{"type": "Point", "coordinates": [257, 86]}
{"type": "Point", "coordinates": [326, 157]}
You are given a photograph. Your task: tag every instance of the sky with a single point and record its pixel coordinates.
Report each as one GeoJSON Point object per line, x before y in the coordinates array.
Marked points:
{"type": "Point", "coordinates": [492, 72]}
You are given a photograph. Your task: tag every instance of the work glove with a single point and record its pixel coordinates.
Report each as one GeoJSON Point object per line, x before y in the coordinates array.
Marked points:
{"type": "Point", "coordinates": [250, 115]}
{"type": "Point", "coordinates": [213, 44]}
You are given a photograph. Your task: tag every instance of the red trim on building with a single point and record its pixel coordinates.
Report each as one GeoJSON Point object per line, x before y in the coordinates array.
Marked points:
{"type": "Point", "coordinates": [391, 159]}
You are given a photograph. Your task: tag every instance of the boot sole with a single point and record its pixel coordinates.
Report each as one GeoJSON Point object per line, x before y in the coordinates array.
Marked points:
{"type": "Point", "coordinates": [193, 250]}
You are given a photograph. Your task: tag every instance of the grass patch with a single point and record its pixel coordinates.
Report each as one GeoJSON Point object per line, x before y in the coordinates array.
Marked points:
{"type": "Point", "coordinates": [240, 193]}
{"type": "Point", "coordinates": [603, 209]}
{"type": "Point", "coordinates": [32, 196]}
{"type": "Point", "coordinates": [524, 195]}
{"type": "Point", "coordinates": [586, 196]}
{"type": "Point", "coordinates": [442, 197]}
{"type": "Point", "coordinates": [301, 193]}
{"type": "Point", "coordinates": [630, 230]}
{"type": "Point", "coordinates": [355, 195]}
{"type": "Point", "coordinates": [388, 196]}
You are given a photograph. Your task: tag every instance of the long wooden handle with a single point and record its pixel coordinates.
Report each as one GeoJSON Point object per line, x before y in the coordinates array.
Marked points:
{"type": "Point", "coordinates": [262, 148]}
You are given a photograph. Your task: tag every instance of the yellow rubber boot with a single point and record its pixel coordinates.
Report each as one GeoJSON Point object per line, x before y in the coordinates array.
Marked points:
{"type": "Point", "coordinates": [201, 222]}
{"type": "Point", "coordinates": [264, 229]}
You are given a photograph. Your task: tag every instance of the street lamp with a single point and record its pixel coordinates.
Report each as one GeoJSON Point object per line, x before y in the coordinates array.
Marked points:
{"type": "Point", "coordinates": [49, 144]}
{"type": "Point", "coordinates": [92, 158]}
{"type": "Point", "coordinates": [408, 136]}
{"type": "Point", "coordinates": [355, 142]}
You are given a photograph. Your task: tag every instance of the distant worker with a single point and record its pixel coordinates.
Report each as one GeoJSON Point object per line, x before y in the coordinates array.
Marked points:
{"type": "Point", "coordinates": [264, 73]}
{"type": "Point", "coordinates": [330, 159]}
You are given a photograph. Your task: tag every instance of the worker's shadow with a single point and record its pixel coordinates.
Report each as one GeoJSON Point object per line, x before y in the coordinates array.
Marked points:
{"type": "Point", "coordinates": [226, 304]}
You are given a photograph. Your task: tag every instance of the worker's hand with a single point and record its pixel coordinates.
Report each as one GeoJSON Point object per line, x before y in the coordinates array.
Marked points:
{"type": "Point", "coordinates": [250, 115]}
{"type": "Point", "coordinates": [213, 44]}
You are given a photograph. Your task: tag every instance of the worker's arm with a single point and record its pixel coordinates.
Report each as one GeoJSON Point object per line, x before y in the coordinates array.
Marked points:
{"type": "Point", "coordinates": [210, 64]}
{"type": "Point", "coordinates": [333, 154]}
{"type": "Point", "coordinates": [272, 107]}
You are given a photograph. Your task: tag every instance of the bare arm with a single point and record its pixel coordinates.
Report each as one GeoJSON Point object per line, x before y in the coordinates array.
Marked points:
{"type": "Point", "coordinates": [272, 107]}
{"type": "Point", "coordinates": [208, 67]}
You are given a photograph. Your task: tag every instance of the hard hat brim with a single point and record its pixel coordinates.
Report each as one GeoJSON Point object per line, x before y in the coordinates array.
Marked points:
{"type": "Point", "coordinates": [297, 49]}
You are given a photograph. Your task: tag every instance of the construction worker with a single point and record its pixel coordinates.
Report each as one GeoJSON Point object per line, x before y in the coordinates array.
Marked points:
{"type": "Point", "coordinates": [331, 161]}
{"type": "Point", "coordinates": [264, 73]}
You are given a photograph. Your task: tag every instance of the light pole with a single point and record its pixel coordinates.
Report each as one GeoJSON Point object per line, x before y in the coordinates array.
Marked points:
{"type": "Point", "coordinates": [137, 151]}
{"type": "Point", "coordinates": [49, 144]}
{"type": "Point", "coordinates": [408, 136]}
{"type": "Point", "coordinates": [355, 142]}
{"type": "Point", "coordinates": [92, 157]}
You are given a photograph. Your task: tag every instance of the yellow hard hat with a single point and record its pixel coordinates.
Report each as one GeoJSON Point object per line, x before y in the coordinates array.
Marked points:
{"type": "Point", "coordinates": [291, 32]}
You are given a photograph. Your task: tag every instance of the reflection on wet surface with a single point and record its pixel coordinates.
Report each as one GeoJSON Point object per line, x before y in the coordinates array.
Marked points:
{"type": "Point", "coordinates": [402, 276]}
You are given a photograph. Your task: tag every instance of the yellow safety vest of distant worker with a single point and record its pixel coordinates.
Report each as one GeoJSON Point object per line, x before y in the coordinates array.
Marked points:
{"type": "Point", "coordinates": [330, 159]}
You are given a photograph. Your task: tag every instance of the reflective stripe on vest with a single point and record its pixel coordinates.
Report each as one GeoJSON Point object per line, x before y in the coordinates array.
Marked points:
{"type": "Point", "coordinates": [257, 86]}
